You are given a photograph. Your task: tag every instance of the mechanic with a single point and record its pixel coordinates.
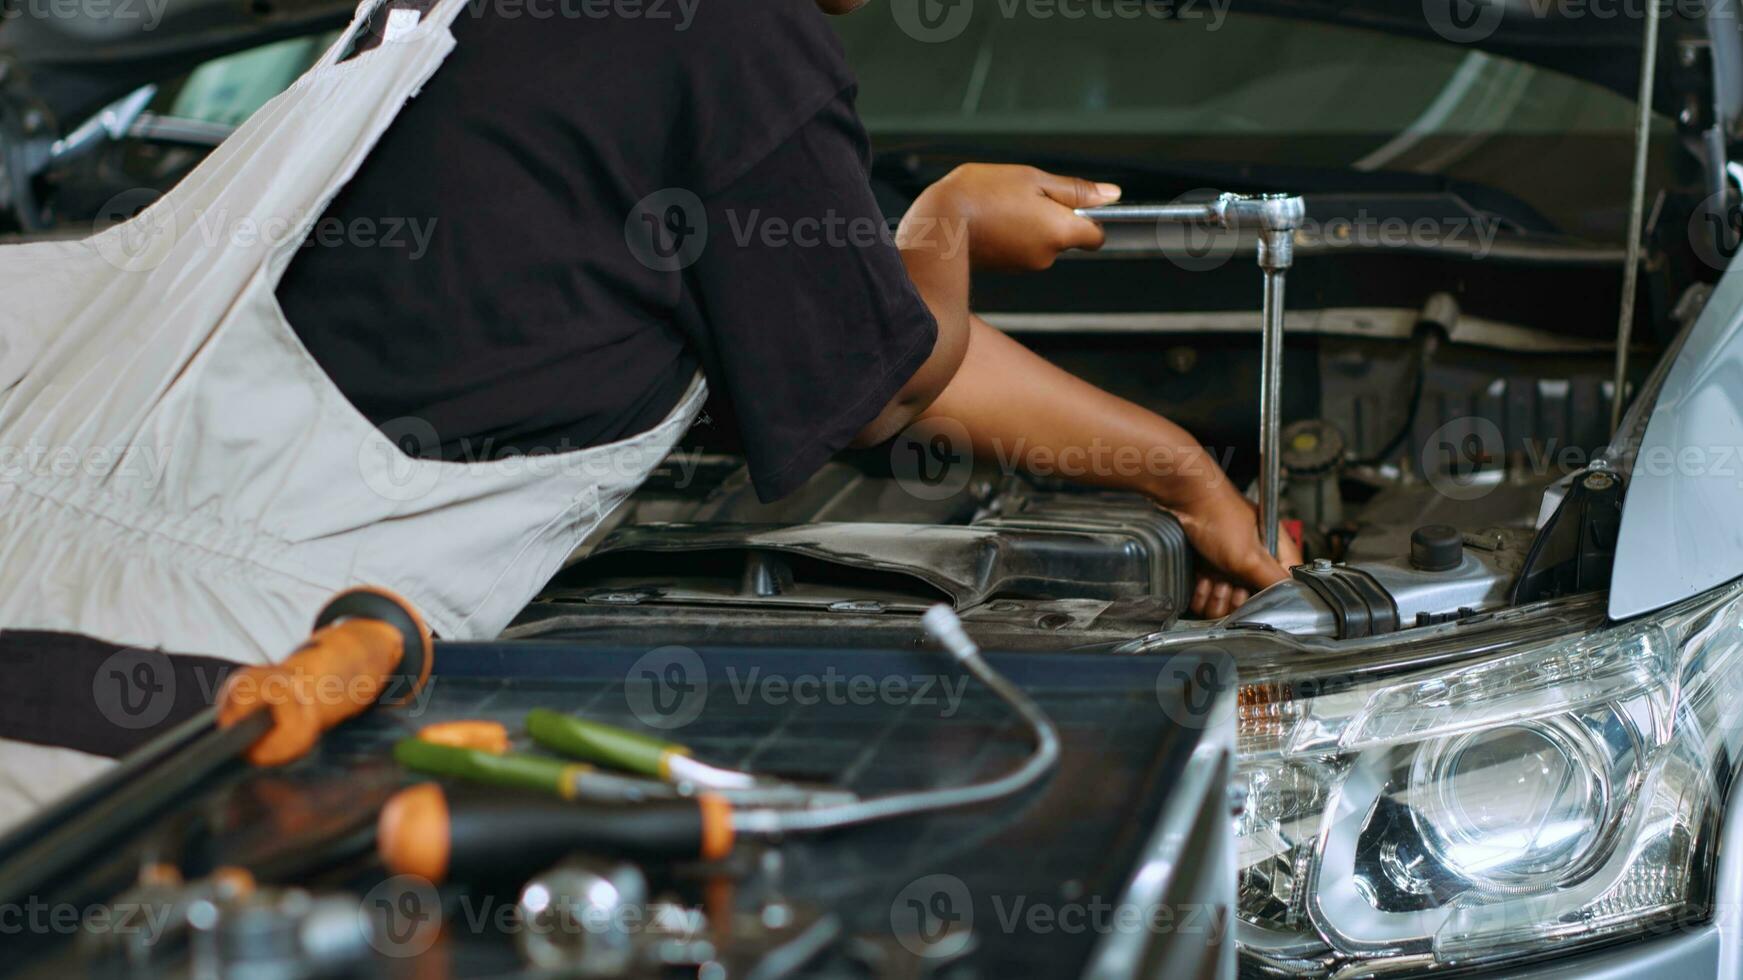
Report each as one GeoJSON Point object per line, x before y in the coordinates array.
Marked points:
{"type": "Point", "coordinates": [530, 327]}
{"type": "Point", "coordinates": [243, 459]}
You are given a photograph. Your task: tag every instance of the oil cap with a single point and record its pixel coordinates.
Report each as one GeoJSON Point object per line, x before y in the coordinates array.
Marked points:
{"type": "Point", "coordinates": [1437, 547]}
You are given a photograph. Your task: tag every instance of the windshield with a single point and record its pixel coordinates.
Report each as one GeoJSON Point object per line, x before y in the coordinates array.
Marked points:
{"type": "Point", "coordinates": [1249, 89]}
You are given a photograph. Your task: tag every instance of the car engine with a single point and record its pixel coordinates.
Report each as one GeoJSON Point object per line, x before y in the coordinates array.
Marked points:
{"type": "Point", "coordinates": [1417, 486]}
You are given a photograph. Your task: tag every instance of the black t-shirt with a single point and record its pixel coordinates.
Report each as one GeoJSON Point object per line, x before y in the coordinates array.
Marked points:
{"type": "Point", "coordinates": [581, 208]}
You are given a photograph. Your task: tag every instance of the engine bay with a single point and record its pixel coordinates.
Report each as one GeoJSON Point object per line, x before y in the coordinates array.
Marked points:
{"type": "Point", "coordinates": [1415, 472]}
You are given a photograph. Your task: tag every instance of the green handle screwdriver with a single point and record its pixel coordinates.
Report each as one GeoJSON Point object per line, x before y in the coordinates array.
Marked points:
{"type": "Point", "coordinates": [631, 751]}
{"type": "Point", "coordinates": [569, 780]}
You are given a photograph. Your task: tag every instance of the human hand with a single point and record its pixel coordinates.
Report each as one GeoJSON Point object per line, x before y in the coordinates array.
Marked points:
{"type": "Point", "coordinates": [1224, 528]}
{"type": "Point", "coordinates": [1019, 218]}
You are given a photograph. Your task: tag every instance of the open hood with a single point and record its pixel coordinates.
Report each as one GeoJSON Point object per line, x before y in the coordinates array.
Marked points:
{"type": "Point", "coordinates": [83, 63]}
{"type": "Point", "coordinates": [73, 66]}
{"type": "Point", "coordinates": [1682, 519]}
{"type": "Point", "coordinates": [1600, 43]}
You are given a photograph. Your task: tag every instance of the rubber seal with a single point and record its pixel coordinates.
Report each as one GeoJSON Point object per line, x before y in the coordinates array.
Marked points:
{"type": "Point", "coordinates": [385, 607]}
{"type": "Point", "coordinates": [1361, 605]}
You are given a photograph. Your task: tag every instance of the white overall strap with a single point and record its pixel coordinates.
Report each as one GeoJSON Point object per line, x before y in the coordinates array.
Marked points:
{"type": "Point", "coordinates": [136, 304]}
{"type": "Point", "coordinates": [104, 523]}
{"type": "Point", "coordinates": [127, 511]}
{"type": "Point", "coordinates": [234, 486]}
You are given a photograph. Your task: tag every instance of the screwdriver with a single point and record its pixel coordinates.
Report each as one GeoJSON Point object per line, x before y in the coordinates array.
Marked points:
{"type": "Point", "coordinates": [631, 751]}
{"type": "Point", "coordinates": [367, 642]}
{"type": "Point", "coordinates": [425, 831]}
{"type": "Point", "coordinates": [455, 755]}
{"type": "Point", "coordinates": [521, 770]}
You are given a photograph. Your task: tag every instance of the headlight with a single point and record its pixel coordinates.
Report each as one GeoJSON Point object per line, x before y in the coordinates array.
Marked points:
{"type": "Point", "coordinates": [1559, 787]}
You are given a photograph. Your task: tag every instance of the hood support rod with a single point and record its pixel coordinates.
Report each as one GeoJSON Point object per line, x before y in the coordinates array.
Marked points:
{"type": "Point", "coordinates": [1636, 212]}
{"type": "Point", "coordinates": [1275, 217]}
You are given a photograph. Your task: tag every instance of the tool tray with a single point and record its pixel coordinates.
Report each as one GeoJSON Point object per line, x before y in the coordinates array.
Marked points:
{"type": "Point", "coordinates": [875, 722]}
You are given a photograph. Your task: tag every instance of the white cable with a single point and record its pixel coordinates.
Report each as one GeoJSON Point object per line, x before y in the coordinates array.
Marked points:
{"type": "Point", "coordinates": [943, 626]}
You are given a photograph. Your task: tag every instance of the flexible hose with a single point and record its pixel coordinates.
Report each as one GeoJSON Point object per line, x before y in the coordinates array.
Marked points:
{"type": "Point", "coordinates": [943, 625]}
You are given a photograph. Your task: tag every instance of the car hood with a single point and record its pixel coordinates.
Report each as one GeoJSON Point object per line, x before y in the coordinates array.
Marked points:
{"type": "Point", "coordinates": [75, 65]}
{"type": "Point", "coordinates": [135, 41]}
{"type": "Point", "coordinates": [1682, 519]}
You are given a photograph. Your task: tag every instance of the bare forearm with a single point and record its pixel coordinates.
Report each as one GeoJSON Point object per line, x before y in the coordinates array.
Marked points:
{"type": "Point", "coordinates": [1024, 412]}
{"type": "Point", "coordinates": [934, 248]}
{"type": "Point", "coordinates": [1022, 219]}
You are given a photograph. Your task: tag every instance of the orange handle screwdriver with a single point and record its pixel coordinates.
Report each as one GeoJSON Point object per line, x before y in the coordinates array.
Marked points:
{"type": "Point", "coordinates": [426, 831]}
{"type": "Point", "coordinates": [365, 641]}
{"type": "Point", "coordinates": [368, 645]}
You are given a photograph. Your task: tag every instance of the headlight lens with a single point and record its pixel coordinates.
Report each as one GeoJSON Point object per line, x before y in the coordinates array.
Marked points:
{"type": "Point", "coordinates": [1519, 803]}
